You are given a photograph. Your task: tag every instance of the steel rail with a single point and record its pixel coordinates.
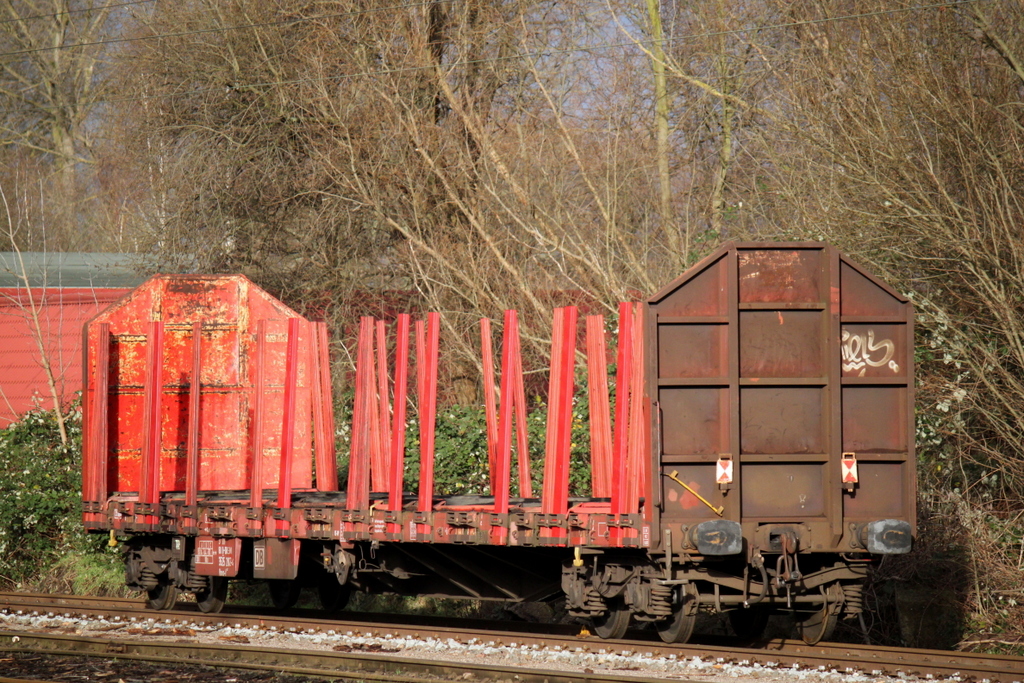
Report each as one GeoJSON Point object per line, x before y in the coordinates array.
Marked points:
{"type": "Point", "coordinates": [375, 667]}
{"type": "Point", "coordinates": [839, 656]}
{"type": "Point", "coordinates": [297, 618]}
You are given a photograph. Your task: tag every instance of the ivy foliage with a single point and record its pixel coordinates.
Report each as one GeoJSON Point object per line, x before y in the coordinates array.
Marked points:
{"type": "Point", "coordinates": [40, 499]}
{"type": "Point", "coordinates": [461, 465]}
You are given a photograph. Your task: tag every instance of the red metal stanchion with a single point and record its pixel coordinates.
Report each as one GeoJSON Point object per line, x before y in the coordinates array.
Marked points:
{"type": "Point", "coordinates": [381, 417]}
{"type": "Point", "coordinates": [323, 409]}
{"type": "Point", "coordinates": [95, 484]}
{"type": "Point", "coordinates": [259, 417]}
{"type": "Point", "coordinates": [559, 429]}
{"type": "Point", "coordinates": [149, 492]}
{"type": "Point", "coordinates": [291, 390]}
{"type": "Point", "coordinates": [641, 429]}
{"type": "Point", "coordinates": [397, 459]}
{"type": "Point", "coordinates": [503, 456]}
{"type": "Point", "coordinates": [621, 427]}
{"type": "Point", "coordinates": [600, 416]}
{"type": "Point", "coordinates": [635, 440]}
{"type": "Point", "coordinates": [568, 382]}
{"type": "Point", "coordinates": [359, 459]}
{"type": "Point", "coordinates": [519, 405]}
{"type": "Point", "coordinates": [490, 402]}
{"type": "Point", "coordinates": [548, 495]}
{"type": "Point", "coordinates": [428, 410]}
{"type": "Point", "coordinates": [194, 396]}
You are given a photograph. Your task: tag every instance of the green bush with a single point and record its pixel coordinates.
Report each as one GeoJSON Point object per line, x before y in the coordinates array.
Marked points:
{"type": "Point", "coordinates": [460, 447]}
{"type": "Point", "coordinates": [42, 542]}
{"type": "Point", "coordinates": [460, 451]}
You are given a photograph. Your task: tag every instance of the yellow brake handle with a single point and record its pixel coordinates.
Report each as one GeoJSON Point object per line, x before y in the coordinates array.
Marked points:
{"type": "Point", "coordinates": [674, 476]}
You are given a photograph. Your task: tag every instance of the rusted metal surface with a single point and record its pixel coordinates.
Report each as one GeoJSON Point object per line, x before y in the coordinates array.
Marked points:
{"type": "Point", "coordinates": [780, 359]}
{"type": "Point", "coordinates": [150, 360]}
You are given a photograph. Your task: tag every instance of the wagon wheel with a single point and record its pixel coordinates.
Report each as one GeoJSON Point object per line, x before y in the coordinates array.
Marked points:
{"type": "Point", "coordinates": [284, 593]}
{"type": "Point", "coordinates": [750, 623]}
{"type": "Point", "coordinates": [333, 596]}
{"type": "Point", "coordinates": [163, 596]}
{"type": "Point", "coordinates": [817, 626]}
{"type": "Point", "coordinates": [679, 627]}
{"type": "Point", "coordinates": [614, 622]}
{"type": "Point", "coordinates": [212, 598]}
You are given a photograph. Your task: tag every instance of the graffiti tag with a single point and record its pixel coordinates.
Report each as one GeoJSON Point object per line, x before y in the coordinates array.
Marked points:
{"type": "Point", "coordinates": [861, 351]}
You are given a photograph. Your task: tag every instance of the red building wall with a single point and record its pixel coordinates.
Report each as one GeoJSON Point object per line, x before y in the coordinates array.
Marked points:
{"type": "Point", "coordinates": [51, 318]}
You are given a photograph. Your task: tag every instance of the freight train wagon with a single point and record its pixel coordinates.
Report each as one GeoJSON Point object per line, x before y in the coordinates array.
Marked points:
{"type": "Point", "coordinates": [758, 455]}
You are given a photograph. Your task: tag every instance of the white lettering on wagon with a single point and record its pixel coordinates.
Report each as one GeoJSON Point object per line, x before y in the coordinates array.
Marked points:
{"type": "Point", "coordinates": [216, 556]}
{"type": "Point", "coordinates": [861, 351]}
{"type": "Point", "coordinates": [205, 552]}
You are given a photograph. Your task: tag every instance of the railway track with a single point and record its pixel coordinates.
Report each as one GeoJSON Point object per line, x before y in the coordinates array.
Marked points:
{"type": "Point", "coordinates": [383, 668]}
{"type": "Point", "coordinates": [130, 620]}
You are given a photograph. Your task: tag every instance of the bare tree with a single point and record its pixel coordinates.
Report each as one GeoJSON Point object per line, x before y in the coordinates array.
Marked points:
{"type": "Point", "coordinates": [29, 306]}
{"type": "Point", "coordinates": [51, 81]}
{"type": "Point", "coordinates": [912, 152]}
{"type": "Point", "coordinates": [467, 152]}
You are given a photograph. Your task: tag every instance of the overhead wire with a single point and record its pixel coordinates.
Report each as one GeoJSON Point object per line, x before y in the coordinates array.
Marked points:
{"type": "Point", "coordinates": [546, 53]}
{"type": "Point", "coordinates": [99, 8]}
{"type": "Point", "coordinates": [220, 29]}
{"type": "Point", "coordinates": [296, 20]}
